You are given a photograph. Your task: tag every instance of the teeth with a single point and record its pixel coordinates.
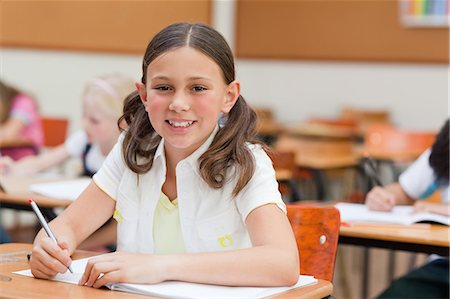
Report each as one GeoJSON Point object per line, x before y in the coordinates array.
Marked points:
{"type": "Point", "coordinates": [183, 124]}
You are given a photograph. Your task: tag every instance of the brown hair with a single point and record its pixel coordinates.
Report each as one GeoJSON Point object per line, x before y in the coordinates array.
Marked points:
{"type": "Point", "coordinates": [7, 94]}
{"type": "Point", "coordinates": [229, 147]}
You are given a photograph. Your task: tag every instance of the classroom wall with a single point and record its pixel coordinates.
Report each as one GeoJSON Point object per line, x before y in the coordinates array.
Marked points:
{"type": "Point", "coordinates": [416, 94]}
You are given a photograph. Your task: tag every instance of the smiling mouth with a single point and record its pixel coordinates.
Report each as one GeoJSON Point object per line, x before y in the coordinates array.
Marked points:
{"type": "Point", "coordinates": [180, 124]}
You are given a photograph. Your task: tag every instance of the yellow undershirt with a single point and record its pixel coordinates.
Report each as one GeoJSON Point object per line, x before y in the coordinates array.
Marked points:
{"type": "Point", "coordinates": [167, 234]}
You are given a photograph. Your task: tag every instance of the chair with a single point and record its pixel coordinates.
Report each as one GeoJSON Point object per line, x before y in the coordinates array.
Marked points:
{"type": "Point", "coordinates": [399, 145]}
{"type": "Point", "coordinates": [55, 130]}
{"type": "Point", "coordinates": [316, 230]}
{"type": "Point", "coordinates": [284, 165]}
{"type": "Point", "coordinates": [364, 118]}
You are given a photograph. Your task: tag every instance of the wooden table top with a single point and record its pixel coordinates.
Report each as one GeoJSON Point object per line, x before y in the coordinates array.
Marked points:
{"type": "Point", "coordinates": [17, 190]}
{"type": "Point", "coordinates": [437, 235]}
{"type": "Point", "coordinates": [13, 258]}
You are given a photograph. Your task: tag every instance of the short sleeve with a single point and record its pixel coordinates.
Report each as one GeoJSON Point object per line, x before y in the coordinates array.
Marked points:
{"type": "Point", "coordinates": [262, 189]}
{"type": "Point", "coordinates": [76, 143]}
{"type": "Point", "coordinates": [419, 177]}
{"type": "Point", "coordinates": [111, 172]}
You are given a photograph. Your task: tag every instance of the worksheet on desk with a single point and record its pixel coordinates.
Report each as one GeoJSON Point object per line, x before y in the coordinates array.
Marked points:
{"type": "Point", "coordinates": [69, 189]}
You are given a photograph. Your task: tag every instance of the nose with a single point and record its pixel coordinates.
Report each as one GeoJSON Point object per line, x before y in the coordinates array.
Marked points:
{"type": "Point", "coordinates": [179, 104]}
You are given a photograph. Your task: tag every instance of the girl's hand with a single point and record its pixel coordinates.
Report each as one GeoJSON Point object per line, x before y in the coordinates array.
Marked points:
{"type": "Point", "coordinates": [122, 267]}
{"type": "Point", "coordinates": [48, 258]}
{"type": "Point", "coordinates": [380, 199]}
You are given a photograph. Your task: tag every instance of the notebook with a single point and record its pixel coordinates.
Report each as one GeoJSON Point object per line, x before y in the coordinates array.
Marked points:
{"type": "Point", "coordinates": [178, 289]}
{"type": "Point", "coordinates": [68, 189]}
{"type": "Point", "coordinates": [352, 212]}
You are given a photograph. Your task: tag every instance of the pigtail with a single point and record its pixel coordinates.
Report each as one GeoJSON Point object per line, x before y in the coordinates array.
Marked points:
{"type": "Point", "coordinates": [140, 139]}
{"type": "Point", "coordinates": [229, 148]}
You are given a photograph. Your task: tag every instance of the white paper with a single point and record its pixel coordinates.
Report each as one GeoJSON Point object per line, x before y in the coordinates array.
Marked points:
{"type": "Point", "coordinates": [70, 189]}
{"type": "Point", "coordinates": [405, 215]}
{"type": "Point", "coordinates": [177, 289]}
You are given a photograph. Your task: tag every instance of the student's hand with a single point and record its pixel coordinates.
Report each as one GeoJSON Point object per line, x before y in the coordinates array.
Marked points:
{"type": "Point", "coordinates": [380, 199]}
{"type": "Point", "coordinates": [48, 258]}
{"type": "Point", "coordinates": [122, 267]}
{"type": "Point", "coordinates": [6, 165]}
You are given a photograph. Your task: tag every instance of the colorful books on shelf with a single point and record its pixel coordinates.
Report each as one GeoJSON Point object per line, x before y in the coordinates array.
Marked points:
{"type": "Point", "coordinates": [178, 289]}
{"type": "Point", "coordinates": [405, 215]}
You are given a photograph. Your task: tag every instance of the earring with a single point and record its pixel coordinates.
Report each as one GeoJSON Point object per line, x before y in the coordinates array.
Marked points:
{"type": "Point", "coordinates": [222, 119]}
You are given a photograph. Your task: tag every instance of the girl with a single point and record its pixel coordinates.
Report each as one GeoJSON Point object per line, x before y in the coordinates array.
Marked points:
{"type": "Point", "coordinates": [19, 122]}
{"type": "Point", "coordinates": [102, 106]}
{"type": "Point", "coordinates": [186, 193]}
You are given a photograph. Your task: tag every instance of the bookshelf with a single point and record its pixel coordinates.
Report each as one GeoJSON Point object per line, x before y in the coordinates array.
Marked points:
{"type": "Point", "coordinates": [425, 13]}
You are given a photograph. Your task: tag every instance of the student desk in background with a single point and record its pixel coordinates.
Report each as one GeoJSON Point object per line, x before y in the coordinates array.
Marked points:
{"type": "Point", "coordinates": [13, 258]}
{"type": "Point", "coordinates": [415, 238]}
{"type": "Point", "coordinates": [16, 194]}
{"type": "Point", "coordinates": [319, 151]}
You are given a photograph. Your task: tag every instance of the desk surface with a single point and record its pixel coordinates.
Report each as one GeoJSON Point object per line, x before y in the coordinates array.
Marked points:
{"type": "Point", "coordinates": [17, 191]}
{"type": "Point", "coordinates": [13, 258]}
{"type": "Point", "coordinates": [415, 238]}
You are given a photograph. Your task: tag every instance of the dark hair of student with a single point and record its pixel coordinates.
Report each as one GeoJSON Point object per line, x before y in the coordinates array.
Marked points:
{"type": "Point", "coordinates": [7, 94]}
{"type": "Point", "coordinates": [439, 154]}
{"type": "Point", "coordinates": [229, 146]}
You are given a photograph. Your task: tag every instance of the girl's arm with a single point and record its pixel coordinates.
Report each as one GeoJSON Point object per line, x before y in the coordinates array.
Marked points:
{"type": "Point", "coordinates": [10, 130]}
{"type": "Point", "coordinates": [34, 164]}
{"type": "Point", "coordinates": [272, 261]}
{"type": "Point", "coordinates": [438, 208]}
{"type": "Point", "coordinates": [92, 208]}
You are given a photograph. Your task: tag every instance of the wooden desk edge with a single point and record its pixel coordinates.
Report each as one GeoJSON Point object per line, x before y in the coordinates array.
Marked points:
{"type": "Point", "coordinates": [320, 289]}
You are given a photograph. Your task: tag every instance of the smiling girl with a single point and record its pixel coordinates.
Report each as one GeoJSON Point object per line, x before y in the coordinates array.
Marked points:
{"type": "Point", "coordinates": [194, 201]}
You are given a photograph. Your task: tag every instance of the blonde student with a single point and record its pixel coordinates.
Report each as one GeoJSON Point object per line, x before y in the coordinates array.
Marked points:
{"type": "Point", "coordinates": [194, 201]}
{"type": "Point", "coordinates": [102, 102]}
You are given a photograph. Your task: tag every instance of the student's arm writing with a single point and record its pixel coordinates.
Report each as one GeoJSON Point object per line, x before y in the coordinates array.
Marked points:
{"type": "Point", "coordinates": [74, 225]}
{"type": "Point", "coordinates": [385, 198]}
{"type": "Point", "coordinates": [274, 251]}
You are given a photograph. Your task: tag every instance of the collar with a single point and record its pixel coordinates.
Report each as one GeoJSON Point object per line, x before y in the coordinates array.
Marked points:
{"type": "Point", "coordinates": [193, 158]}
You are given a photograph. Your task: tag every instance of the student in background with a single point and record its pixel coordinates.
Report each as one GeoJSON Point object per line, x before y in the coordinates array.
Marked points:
{"type": "Point", "coordinates": [19, 121]}
{"type": "Point", "coordinates": [430, 172]}
{"type": "Point", "coordinates": [102, 101]}
{"type": "Point", "coordinates": [194, 201]}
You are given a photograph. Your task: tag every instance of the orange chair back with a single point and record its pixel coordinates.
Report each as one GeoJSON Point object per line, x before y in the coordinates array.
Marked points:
{"type": "Point", "coordinates": [55, 130]}
{"type": "Point", "coordinates": [316, 230]}
{"type": "Point", "coordinates": [388, 139]}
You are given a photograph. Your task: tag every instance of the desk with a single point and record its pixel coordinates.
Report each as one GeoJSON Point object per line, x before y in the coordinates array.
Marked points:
{"type": "Point", "coordinates": [434, 239]}
{"type": "Point", "coordinates": [319, 154]}
{"type": "Point", "coordinates": [26, 287]}
{"type": "Point", "coordinates": [17, 194]}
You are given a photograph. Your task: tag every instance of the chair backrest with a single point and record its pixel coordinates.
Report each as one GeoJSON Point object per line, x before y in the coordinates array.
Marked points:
{"type": "Point", "coordinates": [366, 117]}
{"type": "Point", "coordinates": [55, 130]}
{"type": "Point", "coordinates": [316, 230]}
{"type": "Point", "coordinates": [395, 140]}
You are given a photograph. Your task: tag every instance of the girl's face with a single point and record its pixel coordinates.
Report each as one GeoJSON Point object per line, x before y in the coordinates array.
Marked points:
{"type": "Point", "coordinates": [100, 128]}
{"type": "Point", "coordinates": [184, 95]}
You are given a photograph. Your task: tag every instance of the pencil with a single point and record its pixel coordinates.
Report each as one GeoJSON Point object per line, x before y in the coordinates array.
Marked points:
{"type": "Point", "coordinates": [44, 224]}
